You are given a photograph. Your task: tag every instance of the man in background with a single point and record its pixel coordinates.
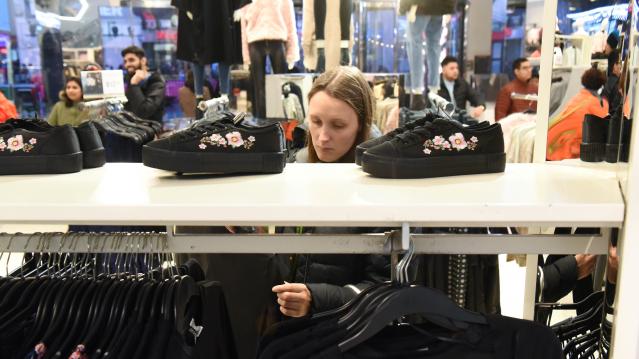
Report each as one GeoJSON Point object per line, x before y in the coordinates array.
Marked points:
{"type": "Point", "coordinates": [456, 90]}
{"type": "Point", "coordinates": [145, 89]}
{"type": "Point", "coordinates": [505, 105]}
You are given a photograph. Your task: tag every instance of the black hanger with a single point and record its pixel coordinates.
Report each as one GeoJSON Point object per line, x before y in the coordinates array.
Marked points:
{"type": "Point", "coordinates": [410, 300]}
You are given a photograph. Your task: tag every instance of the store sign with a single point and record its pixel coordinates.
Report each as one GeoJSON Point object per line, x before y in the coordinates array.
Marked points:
{"type": "Point", "coordinates": [102, 84]}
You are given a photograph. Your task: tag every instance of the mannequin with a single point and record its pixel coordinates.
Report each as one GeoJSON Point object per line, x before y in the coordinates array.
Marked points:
{"type": "Point", "coordinates": [599, 38]}
{"type": "Point", "coordinates": [316, 14]}
{"type": "Point", "coordinates": [206, 35]}
{"type": "Point", "coordinates": [269, 30]}
{"type": "Point", "coordinates": [425, 18]}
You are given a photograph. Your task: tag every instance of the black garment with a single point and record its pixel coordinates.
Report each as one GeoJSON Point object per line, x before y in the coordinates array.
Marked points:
{"type": "Point", "coordinates": [345, 10]}
{"type": "Point", "coordinates": [52, 64]}
{"type": "Point", "coordinates": [463, 93]}
{"type": "Point", "coordinates": [428, 7]}
{"type": "Point", "coordinates": [333, 279]}
{"type": "Point", "coordinates": [612, 93]}
{"type": "Point", "coordinates": [146, 99]}
{"type": "Point", "coordinates": [211, 35]}
{"type": "Point", "coordinates": [503, 337]}
{"type": "Point", "coordinates": [560, 274]}
{"type": "Point", "coordinates": [258, 52]}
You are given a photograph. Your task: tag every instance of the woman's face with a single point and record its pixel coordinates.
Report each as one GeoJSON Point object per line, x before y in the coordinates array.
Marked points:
{"type": "Point", "coordinates": [333, 126]}
{"type": "Point", "coordinates": [73, 91]}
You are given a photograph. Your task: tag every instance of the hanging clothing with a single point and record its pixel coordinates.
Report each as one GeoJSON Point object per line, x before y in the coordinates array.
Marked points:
{"type": "Point", "coordinates": [565, 134]}
{"type": "Point", "coordinates": [337, 33]}
{"type": "Point", "coordinates": [522, 144]}
{"type": "Point", "coordinates": [501, 338]}
{"type": "Point", "coordinates": [428, 7]}
{"type": "Point", "coordinates": [207, 32]}
{"type": "Point", "coordinates": [513, 121]}
{"type": "Point", "coordinates": [259, 52]}
{"type": "Point", "coordinates": [272, 20]}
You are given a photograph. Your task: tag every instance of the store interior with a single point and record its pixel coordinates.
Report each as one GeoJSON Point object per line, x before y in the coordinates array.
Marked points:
{"type": "Point", "coordinates": [318, 178]}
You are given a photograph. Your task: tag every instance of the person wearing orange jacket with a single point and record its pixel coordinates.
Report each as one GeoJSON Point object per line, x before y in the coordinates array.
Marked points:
{"type": "Point", "coordinates": [7, 109]}
{"type": "Point", "coordinates": [565, 132]}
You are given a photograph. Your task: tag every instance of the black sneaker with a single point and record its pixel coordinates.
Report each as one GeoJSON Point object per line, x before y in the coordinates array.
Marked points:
{"type": "Point", "coordinates": [219, 147]}
{"type": "Point", "coordinates": [362, 147]}
{"type": "Point", "coordinates": [441, 148]}
{"type": "Point", "coordinates": [593, 139]}
{"type": "Point", "coordinates": [93, 154]}
{"type": "Point", "coordinates": [38, 151]}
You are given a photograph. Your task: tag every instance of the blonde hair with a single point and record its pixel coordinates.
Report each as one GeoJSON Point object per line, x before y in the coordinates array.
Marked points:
{"type": "Point", "coordinates": [346, 83]}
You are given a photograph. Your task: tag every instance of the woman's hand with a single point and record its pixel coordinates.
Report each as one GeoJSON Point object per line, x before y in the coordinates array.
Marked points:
{"type": "Point", "coordinates": [294, 299]}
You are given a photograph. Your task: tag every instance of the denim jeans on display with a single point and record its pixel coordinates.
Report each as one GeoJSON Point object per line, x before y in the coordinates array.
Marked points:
{"type": "Point", "coordinates": [345, 9]}
{"type": "Point", "coordinates": [198, 79]}
{"type": "Point", "coordinates": [259, 51]}
{"type": "Point", "coordinates": [224, 72]}
{"type": "Point", "coordinates": [431, 27]}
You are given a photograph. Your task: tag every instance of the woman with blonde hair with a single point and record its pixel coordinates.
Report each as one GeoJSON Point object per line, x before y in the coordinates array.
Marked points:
{"type": "Point", "coordinates": [340, 114]}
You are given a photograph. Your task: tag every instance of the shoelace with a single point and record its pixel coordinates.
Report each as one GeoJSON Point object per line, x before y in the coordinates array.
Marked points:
{"type": "Point", "coordinates": [416, 135]}
{"type": "Point", "coordinates": [200, 128]}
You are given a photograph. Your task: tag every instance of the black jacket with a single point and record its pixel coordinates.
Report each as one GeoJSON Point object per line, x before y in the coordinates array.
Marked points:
{"type": "Point", "coordinates": [463, 93]}
{"type": "Point", "coordinates": [146, 99]}
{"type": "Point", "coordinates": [334, 279]}
{"type": "Point", "coordinates": [428, 7]}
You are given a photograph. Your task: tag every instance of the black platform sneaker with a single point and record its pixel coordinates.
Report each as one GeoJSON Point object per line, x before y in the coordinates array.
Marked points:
{"type": "Point", "coordinates": [93, 153]}
{"type": "Point", "coordinates": [430, 117]}
{"type": "Point", "coordinates": [42, 151]}
{"type": "Point", "coordinates": [441, 148]}
{"type": "Point", "coordinates": [225, 146]}
{"type": "Point", "coordinates": [593, 140]}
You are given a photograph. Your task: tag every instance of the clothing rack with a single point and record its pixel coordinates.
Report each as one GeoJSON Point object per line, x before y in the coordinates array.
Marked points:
{"type": "Point", "coordinates": [441, 103]}
{"type": "Point", "coordinates": [105, 102]}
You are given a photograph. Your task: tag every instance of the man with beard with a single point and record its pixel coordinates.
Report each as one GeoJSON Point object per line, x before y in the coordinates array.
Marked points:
{"type": "Point", "coordinates": [145, 90]}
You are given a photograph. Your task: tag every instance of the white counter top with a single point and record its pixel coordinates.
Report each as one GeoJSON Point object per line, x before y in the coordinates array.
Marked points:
{"type": "Point", "coordinates": [314, 194]}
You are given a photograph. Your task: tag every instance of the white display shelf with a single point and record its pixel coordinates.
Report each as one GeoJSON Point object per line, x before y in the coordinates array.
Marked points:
{"type": "Point", "coordinates": [314, 194]}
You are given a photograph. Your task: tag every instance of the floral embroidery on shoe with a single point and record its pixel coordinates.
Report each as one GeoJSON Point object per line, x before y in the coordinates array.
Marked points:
{"type": "Point", "coordinates": [456, 141]}
{"type": "Point", "coordinates": [16, 143]}
{"type": "Point", "coordinates": [233, 139]}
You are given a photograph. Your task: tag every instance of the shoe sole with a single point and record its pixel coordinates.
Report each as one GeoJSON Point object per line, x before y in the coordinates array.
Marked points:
{"type": "Point", "coordinates": [94, 158]}
{"type": "Point", "coordinates": [194, 162]}
{"type": "Point", "coordinates": [592, 152]}
{"type": "Point", "coordinates": [45, 164]}
{"type": "Point", "coordinates": [390, 167]}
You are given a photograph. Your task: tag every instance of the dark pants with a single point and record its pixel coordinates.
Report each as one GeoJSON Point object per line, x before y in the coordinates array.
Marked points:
{"type": "Point", "coordinates": [319, 10]}
{"type": "Point", "coordinates": [259, 51]}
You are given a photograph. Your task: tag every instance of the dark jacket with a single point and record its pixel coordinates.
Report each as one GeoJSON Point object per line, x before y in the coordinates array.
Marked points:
{"type": "Point", "coordinates": [463, 93]}
{"type": "Point", "coordinates": [211, 35]}
{"type": "Point", "coordinates": [146, 99]}
{"type": "Point", "coordinates": [333, 279]}
{"type": "Point", "coordinates": [428, 7]}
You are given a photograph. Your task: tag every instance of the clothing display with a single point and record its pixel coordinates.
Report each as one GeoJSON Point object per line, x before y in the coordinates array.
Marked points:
{"type": "Point", "coordinates": [124, 315]}
{"type": "Point", "coordinates": [429, 26]}
{"type": "Point", "coordinates": [505, 105]}
{"type": "Point", "coordinates": [52, 64]}
{"type": "Point", "coordinates": [259, 52]}
{"type": "Point", "coordinates": [340, 334]}
{"type": "Point", "coordinates": [146, 99]}
{"type": "Point", "coordinates": [223, 146]}
{"type": "Point", "coordinates": [438, 149]}
{"type": "Point", "coordinates": [522, 144]}
{"type": "Point", "coordinates": [27, 148]}
{"type": "Point", "coordinates": [207, 33]}
{"type": "Point", "coordinates": [326, 34]}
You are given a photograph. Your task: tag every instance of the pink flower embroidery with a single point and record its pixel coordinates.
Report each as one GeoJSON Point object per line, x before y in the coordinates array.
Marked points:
{"type": "Point", "coordinates": [251, 139]}
{"type": "Point", "coordinates": [3, 146]}
{"type": "Point", "coordinates": [446, 145]}
{"type": "Point", "coordinates": [202, 146]}
{"type": "Point", "coordinates": [216, 137]}
{"type": "Point", "coordinates": [33, 141]}
{"type": "Point", "coordinates": [234, 139]}
{"type": "Point", "coordinates": [458, 141]}
{"type": "Point", "coordinates": [427, 151]}
{"type": "Point", "coordinates": [15, 143]}
{"type": "Point", "coordinates": [438, 141]}
{"type": "Point", "coordinates": [474, 139]}
{"type": "Point", "coordinates": [221, 142]}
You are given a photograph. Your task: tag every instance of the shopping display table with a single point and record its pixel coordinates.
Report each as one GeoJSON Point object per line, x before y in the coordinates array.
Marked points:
{"type": "Point", "coordinates": [316, 194]}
